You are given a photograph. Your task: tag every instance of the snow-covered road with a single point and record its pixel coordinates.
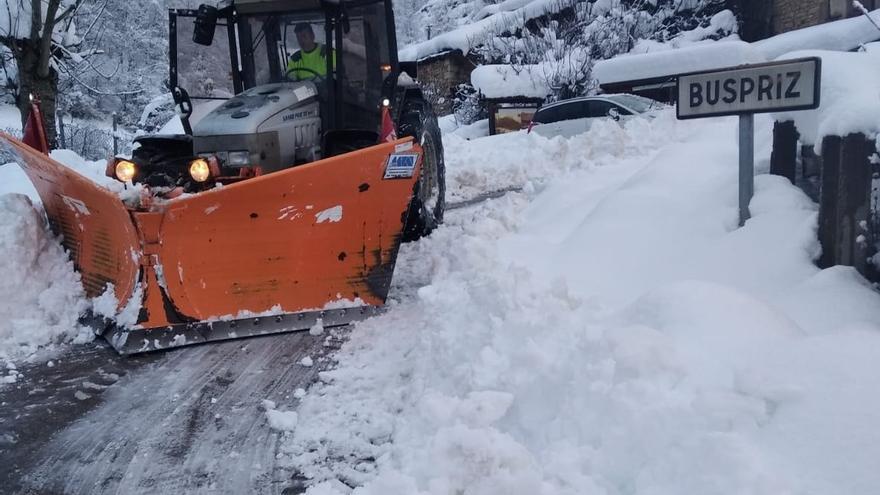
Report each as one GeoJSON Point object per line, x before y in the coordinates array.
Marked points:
{"type": "Point", "coordinates": [604, 327]}
{"type": "Point", "coordinates": [186, 421]}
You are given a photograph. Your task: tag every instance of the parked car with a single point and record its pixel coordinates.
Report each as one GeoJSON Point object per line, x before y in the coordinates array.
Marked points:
{"type": "Point", "coordinates": [575, 116]}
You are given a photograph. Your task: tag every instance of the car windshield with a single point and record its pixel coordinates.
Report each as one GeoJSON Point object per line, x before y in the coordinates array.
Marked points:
{"type": "Point", "coordinates": [638, 104]}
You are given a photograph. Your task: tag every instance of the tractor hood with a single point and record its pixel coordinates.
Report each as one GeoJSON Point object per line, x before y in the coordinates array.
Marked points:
{"type": "Point", "coordinates": [244, 113]}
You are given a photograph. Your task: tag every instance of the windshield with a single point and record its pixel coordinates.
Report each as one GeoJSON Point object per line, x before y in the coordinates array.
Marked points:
{"type": "Point", "coordinates": [274, 43]}
{"type": "Point", "coordinates": [290, 46]}
{"type": "Point", "coordinates": [638, 104]}
{"type": "Point", "coordinates": [295, 47]}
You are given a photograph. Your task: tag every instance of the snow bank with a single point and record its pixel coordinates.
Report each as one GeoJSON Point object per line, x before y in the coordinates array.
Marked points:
{"type": "Point", "coordinates": [499, 81]}
{"type": "Point", "coordinates": [41, 296]}
{"type": "Point", "coordinates": [662, 63]}
{"type": "Point", "coordinates": [609, 331]}
{"type": "Point", "coordinates": [850, 96]}
{"type": "Point", "coordinates": [690, 52]}
{"type": "Point", "coordinates": [527, 161]}
{"type": "Point", "coordinates": [843, 35]}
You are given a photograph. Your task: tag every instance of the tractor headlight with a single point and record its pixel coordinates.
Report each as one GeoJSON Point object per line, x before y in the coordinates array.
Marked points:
{"type": "Point", "coordinates": [238, 159]}
{"type": "Point", "coordinates": [199, 170]}
{"type": "Point", "coordinates": [125, 170]}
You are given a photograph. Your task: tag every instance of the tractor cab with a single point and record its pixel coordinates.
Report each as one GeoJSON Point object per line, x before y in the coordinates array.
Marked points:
{"type": "Point", "coordinates": [266, 85]}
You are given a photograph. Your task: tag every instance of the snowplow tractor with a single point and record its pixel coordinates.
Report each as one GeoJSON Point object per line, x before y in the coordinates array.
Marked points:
{"type": "Point", "coordinates": [307, 156]}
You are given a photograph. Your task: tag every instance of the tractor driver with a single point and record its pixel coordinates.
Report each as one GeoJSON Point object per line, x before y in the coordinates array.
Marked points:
{"type": "Point", "coordinates": [311, 57]}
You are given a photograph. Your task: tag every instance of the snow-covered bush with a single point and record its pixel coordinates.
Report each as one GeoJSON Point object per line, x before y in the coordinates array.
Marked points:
{"type": "Point", "coordinates": [566, 44]}
{"type": "Point", "coordinates": [467, 106]}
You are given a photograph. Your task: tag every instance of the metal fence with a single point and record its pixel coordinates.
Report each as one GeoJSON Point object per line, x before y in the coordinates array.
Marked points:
{"type": "Point", "coordinates": [88, 141]}
{"type": "Point", "coordinates": [93, 143]}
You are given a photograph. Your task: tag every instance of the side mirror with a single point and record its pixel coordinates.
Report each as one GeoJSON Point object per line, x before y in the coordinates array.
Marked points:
{"type": "Point", "coordinates": [614, 113]}
{"type": "Point", "coordinates": [205, 25]}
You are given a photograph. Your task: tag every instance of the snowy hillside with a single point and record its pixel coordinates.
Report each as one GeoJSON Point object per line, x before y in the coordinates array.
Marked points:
{"type": "Point", "coordinates": [609, 330]}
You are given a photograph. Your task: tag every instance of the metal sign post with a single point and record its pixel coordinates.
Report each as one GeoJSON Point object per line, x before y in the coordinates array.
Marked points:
{"type": "Point", "coordinates": [746, 165]}
{"type": "Point", "coordinates": [746, 90]}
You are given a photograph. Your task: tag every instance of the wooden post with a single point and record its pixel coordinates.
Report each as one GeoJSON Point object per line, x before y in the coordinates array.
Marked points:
{"type": "Point", "coordinates": [62, 139]}
{"type": "Point", "coordinates": [115, 137]}
{"type": "Point", "coordinates": [783, 159]}
{"type": "Point", "coordinates": [493, 107]}
{"type": "Point", "coordinates": [845, 201]}
{"type": "Point", "coordinates": [828, 200]}
{"type": "Point", "coordinates": [746, 165]}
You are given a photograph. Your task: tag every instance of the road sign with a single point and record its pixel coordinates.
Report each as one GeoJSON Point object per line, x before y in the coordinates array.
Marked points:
{"type": "Point", "coordinates": [746, 90]}
{"type": "Point", "coordinates": [773, 87]}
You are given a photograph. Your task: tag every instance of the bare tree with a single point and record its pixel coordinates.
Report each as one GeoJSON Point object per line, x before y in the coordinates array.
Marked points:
{"type": "Point", "coordinates": [39, 34]}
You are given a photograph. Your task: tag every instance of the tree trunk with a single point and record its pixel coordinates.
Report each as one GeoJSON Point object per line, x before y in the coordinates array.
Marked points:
{"type": "Point", "coordinates": [31, 83]}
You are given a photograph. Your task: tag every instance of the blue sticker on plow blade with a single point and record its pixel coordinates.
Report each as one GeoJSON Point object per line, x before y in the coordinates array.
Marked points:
{"type": "Point", "coordinates": [401, 165]}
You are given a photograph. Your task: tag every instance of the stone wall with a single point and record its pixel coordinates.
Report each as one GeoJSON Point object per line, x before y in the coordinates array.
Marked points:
{"type": "Point", "coordinates": [789, 15]}
{"type": "Point", "coordinates": [440, 77]}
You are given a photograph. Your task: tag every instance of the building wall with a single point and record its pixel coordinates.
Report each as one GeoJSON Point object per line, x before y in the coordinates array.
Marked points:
{"type": "Point", "coordinates": [789, 15]}
{"type": "Point", "coordinates": [764, 18]}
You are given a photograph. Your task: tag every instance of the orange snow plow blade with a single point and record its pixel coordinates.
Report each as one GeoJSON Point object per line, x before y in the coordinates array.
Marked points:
{"type": "Point", "coordinates": [275, 253]}
{"type": "Point", "coordinates": [95, 225]}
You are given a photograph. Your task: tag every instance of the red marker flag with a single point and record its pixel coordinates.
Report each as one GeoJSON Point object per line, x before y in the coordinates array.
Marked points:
{"type": "Point", "coordinates": [388, 133]}
{"type": "Point", "coordinates": [35, 129]}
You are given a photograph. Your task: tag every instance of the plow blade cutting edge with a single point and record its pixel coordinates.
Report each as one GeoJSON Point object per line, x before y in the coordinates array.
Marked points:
{"type": "Point", "coordinates": [139, 340]}
{"type": "Point", "coordinates": [270, 254]}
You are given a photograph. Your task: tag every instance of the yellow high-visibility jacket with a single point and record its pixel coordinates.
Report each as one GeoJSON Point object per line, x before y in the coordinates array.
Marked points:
{"type": "Point", "coordinates": [315, 60]}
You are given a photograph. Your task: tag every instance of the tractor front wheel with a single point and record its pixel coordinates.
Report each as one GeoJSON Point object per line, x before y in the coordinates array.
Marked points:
{"type": "Point", "coordinates": [429, 197]}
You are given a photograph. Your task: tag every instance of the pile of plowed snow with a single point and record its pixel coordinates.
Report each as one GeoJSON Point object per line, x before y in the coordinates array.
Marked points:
{"type": "Point", "coordinates": [40, 293]}
{"type": "Point", "coordinates": [41, 297]}
{"type": "Point", "coordinates": [611, 331]}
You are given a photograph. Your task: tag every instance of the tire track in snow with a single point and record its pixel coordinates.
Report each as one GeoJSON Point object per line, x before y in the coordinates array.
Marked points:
{"type": "Point", "coordinates": [188, 423]}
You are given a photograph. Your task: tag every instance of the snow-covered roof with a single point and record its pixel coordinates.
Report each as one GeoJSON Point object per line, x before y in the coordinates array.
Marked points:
{"type": "Point", "coordinates": [843, 35]}
{"type": "Point", "coordinates": [489, 19]}
{"type": "Point", "coordinates": [850, 100]}
{"type": "Point", "coordinates": [504, 81]}
{"type": "Point", "coordinates": [671, 62]}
